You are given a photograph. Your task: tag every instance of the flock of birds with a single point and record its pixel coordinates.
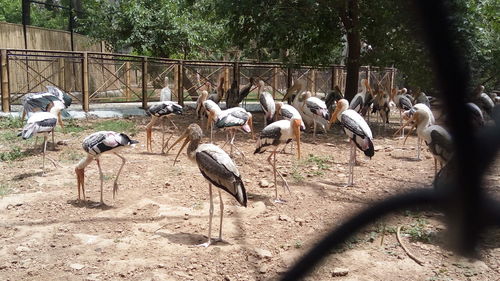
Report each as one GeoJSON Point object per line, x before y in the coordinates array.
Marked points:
{"type": "Point", "coordinates": [284, 124]}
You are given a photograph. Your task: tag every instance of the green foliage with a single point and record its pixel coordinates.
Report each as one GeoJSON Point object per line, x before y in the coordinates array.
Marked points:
{"type": "Point", "coordinates": [4, 190]}
{"type": "Point", "coordinates": [71, 126]}
{"type": "Point", "coordinates": [124, 126]}
{"type": "Point", "coordinates": [10, 122]}
{"type": "Point", "coordinates": [8, 136]}
{"type": "Point", "coordinates": [14, 154]}
{"type": "Point", "coordinates": [418, 231]}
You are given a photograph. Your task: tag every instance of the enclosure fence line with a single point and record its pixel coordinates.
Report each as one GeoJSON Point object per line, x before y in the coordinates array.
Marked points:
{"type": "Point", "coordinates": [96, 77]}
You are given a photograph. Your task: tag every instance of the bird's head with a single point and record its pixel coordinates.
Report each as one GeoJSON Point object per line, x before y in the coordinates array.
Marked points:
{"type": "Point", "coordinates": [177, 109]}
{"type": "Point", "coordinates": [342, 105]}
{"type": "Point", "coordinates": [192, 133]}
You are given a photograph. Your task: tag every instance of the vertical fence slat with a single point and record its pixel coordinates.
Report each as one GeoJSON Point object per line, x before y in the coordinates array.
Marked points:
{"type": "Point", "coordinates": [144, 67]}
{"type": "Point", "coordinates": [178, 84]}
{"type": "Point", "coordinates": [85, 82]}
{"type": "Point", "coordinates": [4, 62]}
{"type": "Point", "coordinates": [60, 74]}
{"type": "Point", "coordinates": [127, 80]}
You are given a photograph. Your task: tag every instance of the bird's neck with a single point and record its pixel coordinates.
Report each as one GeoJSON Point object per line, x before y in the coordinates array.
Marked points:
{"type": "Point", "coordinates": [422, 124]}
{"type": "Point", "coordinates": [191, 150]}
{"type": "Point", "coordinates": [85, 162]}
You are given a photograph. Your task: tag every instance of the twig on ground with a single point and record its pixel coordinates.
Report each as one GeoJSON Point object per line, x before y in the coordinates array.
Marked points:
{"type": "Point", "coordinates": [405, 249]}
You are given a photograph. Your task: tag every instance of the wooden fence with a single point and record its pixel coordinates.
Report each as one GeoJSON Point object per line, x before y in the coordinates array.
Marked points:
{"type": "Point", "coordinates": [93, 77]}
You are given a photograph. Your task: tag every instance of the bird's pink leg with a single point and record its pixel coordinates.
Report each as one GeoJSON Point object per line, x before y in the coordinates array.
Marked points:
{"type": "Point", "coordinates": [232, 144]}
{"type": "Point", "coordinates": [221, 214]}
{"type": "Point", "coordinates": [115, 185]}
{"type": "Point", "coordinates": [209, 218]}
{"type": "Point", "coordinates": [44, 149]}
{"type": "Point", "coordinates": [175, 126]}
{"type": "Point", "coordinates": [101, 176]}
{"type": "Point", "coordinates": [351, 164]}
{"type": "Point", "coordinates": [314, 130]}
{"type": "Point", "coordinates": [53, 141]}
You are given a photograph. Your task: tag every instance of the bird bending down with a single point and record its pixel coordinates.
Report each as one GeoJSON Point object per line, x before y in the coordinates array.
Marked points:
{"type": "Point", "coordinates": [316, 109]}
{"type": "Point", "coordinates": [275, 134]}
{"type": "Point", "coordinates": [53, 101]}
{"type": "Point", "coordinates": [436, 137]}
{"type": "Point", "coordinates": [158, 112]}
{"type": "Point", "coordinates": [358, 131]}
{"type": "Point", "coordinates": [200, 110]}
{"type": "Point", "coordinates": [407, 116]}
{"type": "Point", "coordinates": [40, 123]}
{"type": "Point", "coordinates": [95, 145]}
{"type": "Point", "coordinates": [267, 103]}
{"type": "Point", "coordinates": [232, 120]}
{"type": "Point", "coordinates": [217, 168]}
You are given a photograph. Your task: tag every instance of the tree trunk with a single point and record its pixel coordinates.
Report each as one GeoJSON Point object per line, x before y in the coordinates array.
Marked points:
{"type": "Point", "coordinates": [350, 20]}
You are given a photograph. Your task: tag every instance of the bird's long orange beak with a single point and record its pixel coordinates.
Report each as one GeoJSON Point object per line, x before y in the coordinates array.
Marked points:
{"type": "Point", "coordinates": [183, 136]}
{"type": "Point", "coordinates": [403, 126]}
{"type": "Point", "coordinates": [80, 182]}
{"type": "Point", "coordinates": [333, 119]}
{"type": "Point", "coordinates": [411, 130]}
{"type": "Point", "coordinates": [296, 131]}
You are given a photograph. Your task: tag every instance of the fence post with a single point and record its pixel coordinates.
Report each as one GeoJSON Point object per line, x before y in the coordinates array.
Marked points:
{"type": "Point", "coordinates": [178, 83]}
{"type": "Point", "coordinates": [226, 78]}
{"type": "Point", "coordinates": [61, 79]}
{"type": "Point", "coordinates": [392, 79]}
{"type": "Point", "coordinates": [313, 81]}
{"type": "Point", "coordinates": [127, 80]}
{"type": "Point", "coordinates": [334, 78]}
{"type": "Point", "coordinates": [368, 74]}
{"type": "Point", "coordinates": [236, 74]}
{"type": "Point", "coordinates": [85, 82]}
{"type": "Point", "coordinates": [144, 68]}
{"type": "Point", "coordinates": [288, 77]}
{"type": "Point", "coordinates": [4, 62]}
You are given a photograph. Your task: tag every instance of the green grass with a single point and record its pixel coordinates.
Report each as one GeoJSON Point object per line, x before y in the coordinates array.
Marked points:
{"type": "Point", "coordinates": [14, 154]}
{"type": "Point", "coordinates": [121, 126]}
{"type": "Point", "coordinates": [71, 156]}
{"type": "Point", "coordinates": [10, 122]}
{"type": "Point", "coordinates": [319, 162]}
{"type": "Point", "coordinates": [418, 232]}
{"type": "Point", "coordinates": [8, 136]}
{"type": "Point", "coordinates": [71, 126]}
{"type": "Point", "coordinates": [4, 190]}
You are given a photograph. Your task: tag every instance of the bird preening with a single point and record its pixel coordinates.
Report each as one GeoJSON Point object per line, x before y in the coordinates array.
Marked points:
{"type": "Point", "coordinates": [95, 145]}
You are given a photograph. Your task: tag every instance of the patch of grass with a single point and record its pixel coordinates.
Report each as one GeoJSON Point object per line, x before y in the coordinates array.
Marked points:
{"type": "Point", "coordinates": [14, 154]}
{"type": "Point", "coordinates": [120, 126]}
{"type": "Point", "coordinates": [313, 164]}
{"type": "Point", "coordinates": [71, 126]}
{"type": "Point", "coordinates": [8, 135]}
{"type": "Point", "coordinates": [71, 156]}
{"type": "Point", "coordinates": [298, 244]}
{"type": "Point", "coordinates": [10, 122]}
{"type": "Point", "coordinates": [296, 174]}
{"type": "Point", "coordinates": [418, 231]}
{"type": "Point", "coordinates": [320, 162]}
{"type": "Point", "coordinates": [4, 190]}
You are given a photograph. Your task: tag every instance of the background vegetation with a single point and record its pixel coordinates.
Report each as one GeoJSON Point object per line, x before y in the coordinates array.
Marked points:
{"type": "Point", "coordinates": [293, 31]}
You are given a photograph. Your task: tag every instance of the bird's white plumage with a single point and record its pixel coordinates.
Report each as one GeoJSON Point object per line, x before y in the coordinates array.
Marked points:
{"type": "Point", "coordinates": [268, 105]}
{"type": "Point", "coordinates": [424, 107]}
{"type": "Point", "coordinates": [358, 120]}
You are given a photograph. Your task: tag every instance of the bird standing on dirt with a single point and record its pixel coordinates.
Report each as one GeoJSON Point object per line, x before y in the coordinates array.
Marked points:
{"type": "Point", "coordinates": [358, 131]}
{"type": "Point", "coordinates": [360, 102]}
{"type": "Point", "coordinates": [40, 123]}
{"type": "Point", "coordinates": [158, 112]}
{"type": "Point", "coordinates": [267, 103]}
{"type": "Point", "coordinates": [95, 145]}
{"type": "Point", "coordinates": [219, 95]}
{"type": "Point", "coordinates": [53, 101]}
{"type": "Point", "coordinates": [231, 120]}
{"type": "Point", "coordinates": [402, 103]}
{"type": "Point", "coordinates": [217, 168]}
{"type": "Point", "coordinates": [275, 134]}
{"type": "Point", "coordinates": [409, 113]}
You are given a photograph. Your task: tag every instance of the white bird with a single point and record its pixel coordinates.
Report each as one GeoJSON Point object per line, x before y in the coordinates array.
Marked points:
{"type": "Point", "coordinates": [482, 100]}
{"type": "Point", "coordinates": [274, 135]}
{"type": "Point", "coordinates": [166, 93]}
{"type": "Point", "coordinates": [358, 103]}
{"type": "Point", "coordinates": [200, 109]}
{"type": "Point", "coordinates": [407, 116]}
{"type": "Point", "coordinates": [422, 98]}
{"type": "Point", "coordinates": [358, 131]}
{"type": "Point", "coordinates": [217, 168]}
{"type": "Point", "coordinates": [95, 145]}
{"type": "Point", "coordinates": [476, 113]}
{"type": "Point", "coordinates": [160, 111]}
{"type": "Point", "coordinates": [287, 112]}
{"type": "Point", "coordinates": [316, 109]}
{"type": "Point", "coordinates": [436, 137]}
{"type": "Point", "coordinates": [267, 103]}
{"type": "Point", "coordinates": [40, 123]}
{"type": "Point", "coordinates": [217, 97]}
{"type": "Point", "coordinates": [402, 103]}
{"type": "Point", "coordinates": [381, 104]}
{"type": "Point", "coordinates": [54, 101]}
{"type": "Point", "coordinates": [231, 120]}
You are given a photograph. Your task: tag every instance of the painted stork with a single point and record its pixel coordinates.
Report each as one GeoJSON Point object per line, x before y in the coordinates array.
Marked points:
{"type": "Point", "coordinates": [361, 100]}
{"type": "Point", "coordinates": [217, 168]}
{"type": "Point", "coordinates": [482, 100]}
{"type": "Point", "coordinates": [422, 98]}
{"type": "Point", "coordinates": [54, 101]}
{"type": "Point", "coordinates": [267, 104]}
{"type": "Point", "coordinates": [358, 131]}
{"type": "Point", "coordinates": [95, 145]}
{"type": "Point", "coordinates": [158, 112]}
{"type": "Point", "coordinates": [402, 103]}
{"type": "Point", "coordinates": [476, 113]}
{"type": "Point", "coordinates": [200, 109]}
{"type": "Point", "coordinates": [231, 120]}
{"type": "Point", "coordinates": [217, 97]}
{"type": "Point", "coordinates": [166, 93]}
{"type": "Point", "coordinates": [316, 109]}
{"type": "Point", "coordinates": [287, 112]}
{"type": "Point", "coordinates": [275, 134]}
{"type": "Point", "coordinates": [381, 104]}
{"type": "Point", "coordinates": [407, 116]}
{"type": "Point", "coordinates": [436, 137]}
{"type": "Point", "coordinates": [40, 123]}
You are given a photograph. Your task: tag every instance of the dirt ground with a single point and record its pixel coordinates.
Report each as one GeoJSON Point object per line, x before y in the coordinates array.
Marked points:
{"type": "Point", "coordinates": [150, 231]}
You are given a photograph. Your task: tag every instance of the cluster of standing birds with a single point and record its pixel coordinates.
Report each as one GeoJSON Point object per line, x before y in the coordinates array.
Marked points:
{"type": "Point", "coordinates": [284, 124]}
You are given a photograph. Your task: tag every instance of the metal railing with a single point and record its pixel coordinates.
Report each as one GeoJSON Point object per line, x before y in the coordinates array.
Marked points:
{"type": "Point", "coordinates": [93, 77]}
